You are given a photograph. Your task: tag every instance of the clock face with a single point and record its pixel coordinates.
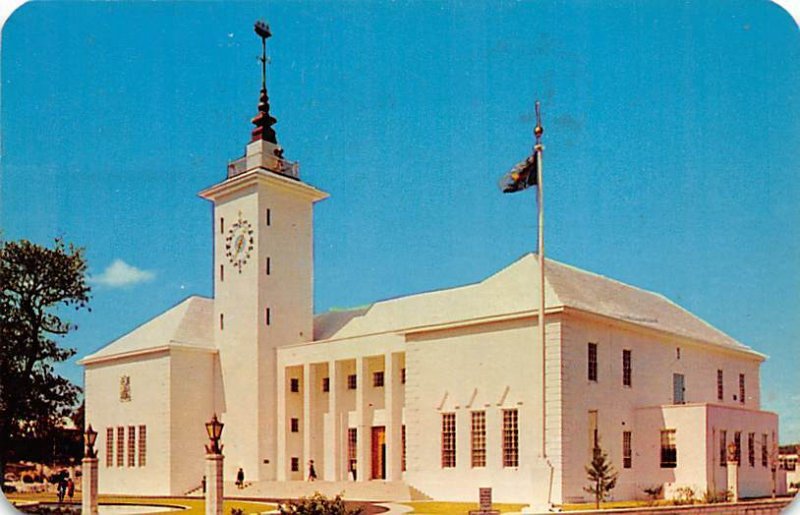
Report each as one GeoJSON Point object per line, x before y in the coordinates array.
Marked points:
{"type": "Point", "coordinates": [239, 243]}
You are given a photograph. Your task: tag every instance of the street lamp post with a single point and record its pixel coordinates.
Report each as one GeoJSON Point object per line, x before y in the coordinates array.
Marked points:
{"type": "Point", "coordinates": [89, 471]}
{"type": "Point", "coordinates": [214, 461]}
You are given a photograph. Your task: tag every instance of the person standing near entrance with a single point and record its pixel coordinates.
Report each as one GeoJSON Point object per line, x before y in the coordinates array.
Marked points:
{"type": "Point", "coordinates": [240, 478]}
{"type": "Point", "coordinates": [312, 473]}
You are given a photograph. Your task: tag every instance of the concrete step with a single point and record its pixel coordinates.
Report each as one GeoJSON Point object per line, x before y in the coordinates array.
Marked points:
{"type": "Point", "coordinates": [351, 490]}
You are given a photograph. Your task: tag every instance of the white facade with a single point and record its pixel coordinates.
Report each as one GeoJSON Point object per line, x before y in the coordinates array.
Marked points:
{"type": "Point", "coordinates": [438, 390]}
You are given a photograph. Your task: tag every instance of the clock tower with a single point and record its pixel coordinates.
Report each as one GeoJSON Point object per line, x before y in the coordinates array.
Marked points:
{"type": "Point", "coordinates": [263, 286]}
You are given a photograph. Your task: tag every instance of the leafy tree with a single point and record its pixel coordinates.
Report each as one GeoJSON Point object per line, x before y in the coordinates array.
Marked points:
{"type": "Point", "coordinates": [36, 283]}
{"type": "Point", "coordinates": [318, 504]}
{"type": "Point", "coordinates": [601, 475]}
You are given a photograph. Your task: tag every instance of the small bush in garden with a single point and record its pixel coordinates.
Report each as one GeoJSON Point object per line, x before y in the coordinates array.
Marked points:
{"type": "Point", "coordinates": [684, 495]}
{"type": "Point", "coordinates": [318, 504]}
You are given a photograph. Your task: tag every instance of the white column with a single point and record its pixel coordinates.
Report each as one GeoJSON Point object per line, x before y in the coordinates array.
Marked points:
{"type": "Point", "coordinates": [363, 469]}
{"type": "Point", "coordinates": [89, 485]}
{"type": "Point", "coordinates": [733, 479]}
{"type": "Point", "coordinates": [394, 416]}
{"type": "Point", "coordinates": [280, 458]}
{"type": "Point", "coordinates": [214, 492]}
{"type": "Point", "coordinates": [333, 458]}
{"type": "Point", "coordinates": [308, 388]}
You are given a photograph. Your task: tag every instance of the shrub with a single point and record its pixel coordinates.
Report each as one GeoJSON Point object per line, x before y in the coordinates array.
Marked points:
{"type": "Point", "coordinates": [684, 495]}
{"type": "Point", "coordinates": [712, 496]}
{"type": "Point", "coordinates": [318, 504]}
{"type": "Point", "coordinates": [237, 511]}
{"type": "Point", "coordinates": [27, 479]}
{"type": "Point", "coordinates": [653, 493]}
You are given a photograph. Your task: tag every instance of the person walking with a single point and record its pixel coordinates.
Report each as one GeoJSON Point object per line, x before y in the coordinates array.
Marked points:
{"type": "Point", "coordinates": [70, 489]}
{"type": "Point", "coordinates": [62, 488]}
{"type": "Point", "coordinates": [312, 473]}
{"type": "Point", "coordinates": [240, 479]}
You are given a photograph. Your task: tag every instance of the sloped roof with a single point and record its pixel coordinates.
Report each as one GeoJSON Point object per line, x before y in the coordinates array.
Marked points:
{"type": "Point", "coordinates": [515, 289]}
{"type": "Point", "coordinates": [186, 324]}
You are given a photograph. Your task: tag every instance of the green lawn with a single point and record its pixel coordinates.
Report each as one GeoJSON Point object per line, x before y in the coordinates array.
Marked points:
{"type": "Point", "coordinates": [436, 508]}
{"type": "Point", "coordinates": [195, 506]}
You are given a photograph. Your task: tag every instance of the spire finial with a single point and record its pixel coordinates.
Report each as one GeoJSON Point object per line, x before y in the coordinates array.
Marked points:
{"type": "Point", "coordinates": [538, 130]}
{"type": "Point", "coordinates": [263, 121]}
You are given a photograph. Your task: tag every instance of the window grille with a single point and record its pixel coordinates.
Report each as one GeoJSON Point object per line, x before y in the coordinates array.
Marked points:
{"type": "Point", "coordinates": [478, 438]}
{"type": "Point", "coordinates": [510, 438]}
{"type": "Point", "coordinates": [448, 440]}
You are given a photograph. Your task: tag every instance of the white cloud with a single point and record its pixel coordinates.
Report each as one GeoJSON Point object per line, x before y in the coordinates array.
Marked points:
{"type": "Point", "coordinates": [120, 274]}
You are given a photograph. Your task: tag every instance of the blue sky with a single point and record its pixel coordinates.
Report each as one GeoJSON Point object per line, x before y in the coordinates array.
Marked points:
{"type": "Point", "coordinates": [672, 132]}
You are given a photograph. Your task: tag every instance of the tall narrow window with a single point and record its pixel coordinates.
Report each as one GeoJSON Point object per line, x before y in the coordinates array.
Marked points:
{"type": "Point", "coordinates": [669, 450]}
{"type": "Point", "coordinates": [268, 266]}
{"type": "Point", "coordinates": [326, 384]}
{"type": "Point", "coordinates": [720, 386]}
{"type": "Point", "coordinates": [377, 379]}
{"type": "Point", "coordinates": [402, 376]}
{"type": "Point", "coordinates": [678, 353]}
{"type": "Point", "coordinates": [741, 388]}
{"type": "Point", "coordinates": [510, 438]}
{"type": "Point", "coordinates": [120, 446]}
{"type": "Point", "coordinates": [723, 448]}
{"type": "Point", "coordinates": [131, 446]}
{"type": "Point", "coordinates": [295, 464]}
{"type": "Point", "coordinates": [295, 425]}
{"type": "Point", "coordinates": [627, 452]}
{"type": "Point", "coordinates": [294, 385]}
{"type": "Point", "coordinates": [352, 382]}
{"type": "Point", "coordinates": [109, 447]}
{"type": "Point", "coordinates": [448, 440]}
{"type": "Point", "coordinates": [751, 449]}
{"type": "Point", "coordinates": [626, 368]}
{"type": "Point", "coordinates": [269, 217]}
{"type": "Point", "coordinates": [403, 464]}
{"type": "Point", "coordinates": [678, 389]}
{"type": "Point", "coordinates": [764, 450]}
{"type": "Point", "coordinates": [222, 225]}
{"type": "Point", "coordinates": [478, 438]}
{"type": "Point", "coordinates": [352, 449]}
{"type": "Point", "coordinates": [221, 321]}
{"type": "Point", "coordinates": [267, 316]}
{"type": "Point", "coordinates": [592, 361]}
{"type": "Point", "coordinates": [737, 443]}
{"type": "Point", "coordinates": [221, 273]}
{"type": "Point", "coordinates": [142, 446]}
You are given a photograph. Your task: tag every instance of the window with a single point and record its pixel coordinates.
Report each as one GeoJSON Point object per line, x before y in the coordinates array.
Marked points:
{"type": "Point", "coordinates": [221, 321]}
{"type": "Point", "coordinates": [669, 452]}
{"type": "Point", "coordinates": [751, 449]}
{"type": "Point", "coordinates": [737, 443]}
{"type": "Point", "coordinates": [326, 384]}
{"type": "Point", "coordinates": [352, 382]}
{"type": "Point", "coordinates": [109, 447]}
{"type": "Point", "coordinates": [403, 459]}
{"type": "Point", "coordinates": [131, 446]}
{"type": "Point", "coordinates": [267, 316]}
{"type": "Point", "coordinates": [723, 448]}
{"type": "Point", "coordinates": [268, 266]}
{"type": "Point", "coordinates": [295, 464]}
{"type": "Point", "coordinates": [142, 446]}
{"type": "Point", "coordinates": [377, 379]}
{"type": "Point", "coordinates": [222, 225]}
{"type": "Point", "coordinates": [295, 425]}
{"type": "Point", "coordinates": [678, 389]}
{"type": "Point", "coordinates": [403, 376]}
{"type": "Point", "coordinates": [222, 272]}
{"type": "Point", "coordinates": [269, 217]}
{"type": "Point", "coordinates": [478, 438]}
{"type": "Point", "coordinates": [678, 353]}
{"type": "Point", "coordinates": [592, 362]}
{"type": "Point", "coordinates": [626, 368]}
{"type": "Point", "coordinates": [448, 440]}
{"type": "Point", "coordinates": [764, 450]}
{"type": "Point", "coordinates": [627, 453]}
{"type": "Point", "coordinates": [510, 438]}
{"type": "Point", "coordinates": [720, 386]}
{"type": "Point", "coordinates": [120, 446]}
{"type": "Point", "coordinates": [741, 388]}
{"type": "Point", "coordinates": [352, 447]}
{"type": "Point", "coordinates": [294, 385]}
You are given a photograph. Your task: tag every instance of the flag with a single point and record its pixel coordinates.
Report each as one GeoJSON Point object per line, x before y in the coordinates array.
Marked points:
{"type": "Point", "coordinates": [522, 176]}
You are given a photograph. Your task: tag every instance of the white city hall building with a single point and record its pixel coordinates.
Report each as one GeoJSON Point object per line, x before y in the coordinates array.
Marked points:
{"type": "Point", "coordinates": [441, 391]}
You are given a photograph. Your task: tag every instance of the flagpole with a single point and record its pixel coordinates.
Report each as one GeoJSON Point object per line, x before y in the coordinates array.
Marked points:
{"type": "Point", "coordinates": [537, 131]}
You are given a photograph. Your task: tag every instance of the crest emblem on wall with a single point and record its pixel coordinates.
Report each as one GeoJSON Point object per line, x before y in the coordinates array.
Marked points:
{"type": "Point", "coordinates": [125, 388]}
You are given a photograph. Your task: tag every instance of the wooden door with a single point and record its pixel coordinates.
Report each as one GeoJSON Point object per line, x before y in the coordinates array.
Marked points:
{"type": "Point", "coordinates": [379, 452]}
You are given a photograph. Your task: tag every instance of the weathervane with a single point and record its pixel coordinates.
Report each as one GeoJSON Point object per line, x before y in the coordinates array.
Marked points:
{"type": "Point", "coordinates": [263, 121]}
{"type": "Point", "coordinates": [262, 29]}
